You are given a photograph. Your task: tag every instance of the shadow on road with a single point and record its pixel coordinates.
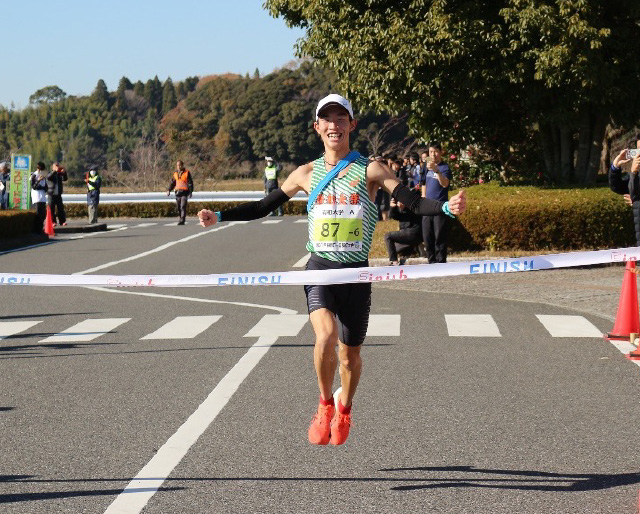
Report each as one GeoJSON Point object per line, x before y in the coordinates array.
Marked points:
{"type": "Point", "coordinates": [464, 476]}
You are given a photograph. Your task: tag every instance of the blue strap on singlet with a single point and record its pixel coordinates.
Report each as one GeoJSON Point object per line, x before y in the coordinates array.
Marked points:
{"type": "Point", "coordinates": [351, 157]}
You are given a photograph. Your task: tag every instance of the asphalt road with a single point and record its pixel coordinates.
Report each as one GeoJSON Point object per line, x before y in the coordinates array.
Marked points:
{"type": "Point", "coordinates": [515, 420]}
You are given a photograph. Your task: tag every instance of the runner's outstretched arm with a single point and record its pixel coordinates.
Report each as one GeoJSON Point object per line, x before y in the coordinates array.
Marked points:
{"type": "Point", "coordinates": [380, 174]}
{"type": "Point", "coordinates": [261, 208]}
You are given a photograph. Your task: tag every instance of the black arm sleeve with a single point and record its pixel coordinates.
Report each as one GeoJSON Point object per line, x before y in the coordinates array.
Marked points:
{"type": "Point", "coordinates": [616, 182]}
{"type": "Point", "coordinates": [254, 210]}
{"type": "Point", "coordinates": [415, 203]}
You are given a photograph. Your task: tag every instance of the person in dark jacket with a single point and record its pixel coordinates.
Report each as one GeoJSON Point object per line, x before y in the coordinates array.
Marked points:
{"type": "Point", "coordinates": [628, 184]}
{"type": "Point", "coordinates": [39, 196]}
{"type": "Point", "coordinates": [55, 178]}
{"type": "Point", "coordinates": [94, 182]}
{"type": "Point", "coordinates": [409, 235]}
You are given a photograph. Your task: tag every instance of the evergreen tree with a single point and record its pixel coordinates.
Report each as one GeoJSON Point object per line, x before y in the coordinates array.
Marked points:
{"type": "Point", "coordinates": [169, 100]}
{"type": "Point", "coordinates": [47, 94]}
{"type": "Point", "coordinates": [138, 89]}
{"type": "Point", "coordinates": [100, 93]}
{"type": "Point", "coordinates": [121, 100]}
{"type": "Point", "coordinates": [153, 93]}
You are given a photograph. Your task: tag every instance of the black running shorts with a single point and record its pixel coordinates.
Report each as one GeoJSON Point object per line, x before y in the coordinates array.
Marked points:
{"type": "Point", "coordinates": [350, 303]}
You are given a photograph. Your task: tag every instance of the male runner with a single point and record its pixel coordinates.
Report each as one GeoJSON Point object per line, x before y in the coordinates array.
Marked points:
{"type": "Point", "coordinates": [341, 225]}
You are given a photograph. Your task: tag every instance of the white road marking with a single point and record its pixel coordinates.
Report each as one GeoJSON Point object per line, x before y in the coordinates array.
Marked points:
{"type": "Point", "coordinates": [155, 250]}
{"type": "Point", "coordinates": [9, 328]}
{"type": "Point", "coordinates": [625, 347]}
{"type": "Point", "coordinates": [471, 325]}
{"type": "Point", "coordinates": [145, 225]}
{"type": "Point", "coordinates": [86, 330]}
{"type": "Point", "coordinates": [301, 221]}
{"type": "Point", "coordinates": [116, 225]}
{"type": "Point", "coordinates": [384, 325]}
{"type": "Point", "coordinates": [26, 247]}
{"type": "Point", "coordinates": [302, 262]}
{"type": "Point", "coordinates": [568, 326]}
{"type": "Point", "coordinates": [151, 477]}
{"type": "Point", "coordinates": [274, 325]}
{"type": "Point", "coordinates": [183, 327]}
{"type": "Point", "coordinates": [281, 310]}
{"type": "Point", "coordinates": [271, 222]}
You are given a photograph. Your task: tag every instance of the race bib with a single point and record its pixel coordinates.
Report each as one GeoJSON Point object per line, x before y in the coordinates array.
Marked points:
{"type": "Point", "coordinates": [337, 228]}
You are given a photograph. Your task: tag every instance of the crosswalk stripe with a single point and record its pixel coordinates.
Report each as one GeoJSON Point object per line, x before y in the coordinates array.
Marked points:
{"type": "Point", "coordinates": [183, 327]}
{"type": "Point", "coordinates": [146, 224]}
{"type": "Point", "coordinates": [271, 222]}
{"type": "Point", "coordinates": [568, 326]}
{"type": "Point", "coordinates": [384, 325]}
{"type": "Point", "coordinates": [86, 330]}
{"type": "Point", "coordinates": [9, 328]}
{"type": "Point", "coordinates": [278, 325]}
{"type": "Point", "coordinates": [301, 221]}
{"type": "Point", "coordinates": [471, 325]}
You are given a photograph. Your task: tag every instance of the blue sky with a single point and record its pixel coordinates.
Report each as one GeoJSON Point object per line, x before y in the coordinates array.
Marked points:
{"type": "Point", "coordinates": [73, 44]}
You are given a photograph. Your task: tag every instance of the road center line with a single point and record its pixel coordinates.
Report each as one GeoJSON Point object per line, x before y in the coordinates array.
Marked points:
{"type": "Point", "coordinates": [151, 477]}
{"type": "Point", "coordinates": [155, 250]}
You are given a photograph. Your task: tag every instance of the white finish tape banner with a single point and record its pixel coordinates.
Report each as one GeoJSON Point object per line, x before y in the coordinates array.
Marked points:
{"type": "Point", "coordinates": [339, 276]}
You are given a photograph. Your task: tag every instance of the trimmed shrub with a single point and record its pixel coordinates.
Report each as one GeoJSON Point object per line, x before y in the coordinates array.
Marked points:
{"type": "Point", "coordinates": [531, 218]}
{"type": "Point", "coordinates": [16, 223]}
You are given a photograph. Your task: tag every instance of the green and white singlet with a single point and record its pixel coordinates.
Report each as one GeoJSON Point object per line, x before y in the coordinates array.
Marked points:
{"type": "Point", "coordinates": [342, 221]}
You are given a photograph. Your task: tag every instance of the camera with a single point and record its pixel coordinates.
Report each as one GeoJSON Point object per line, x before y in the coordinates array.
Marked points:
{"type": "Point", "coordinates": [633, 153]}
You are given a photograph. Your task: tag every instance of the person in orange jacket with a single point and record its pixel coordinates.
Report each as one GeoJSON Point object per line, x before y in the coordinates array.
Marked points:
{"type": "Point", "coordinates": [182, 183]}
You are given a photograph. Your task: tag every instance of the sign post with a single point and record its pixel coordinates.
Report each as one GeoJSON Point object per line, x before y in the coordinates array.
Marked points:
{"type": "Point", "coordinates": [20, 192]}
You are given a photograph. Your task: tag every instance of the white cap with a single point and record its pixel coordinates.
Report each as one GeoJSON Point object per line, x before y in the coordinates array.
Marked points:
{"type": "Point", "coordinates": [334, 99]}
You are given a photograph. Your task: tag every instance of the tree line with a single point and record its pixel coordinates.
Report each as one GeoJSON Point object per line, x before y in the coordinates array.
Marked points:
{"type": "Point", "coordinates": [221, 126]}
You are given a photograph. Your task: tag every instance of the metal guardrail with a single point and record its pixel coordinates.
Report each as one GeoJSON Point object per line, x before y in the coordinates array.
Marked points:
{"type": "Point", "coordinates": [198, 196]}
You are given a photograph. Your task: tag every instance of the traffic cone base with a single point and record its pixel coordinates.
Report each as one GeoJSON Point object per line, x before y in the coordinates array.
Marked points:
{"type": "Point", "coordinates": [628, 316]}
{"type": "Point", "coordinates": [48, 224]}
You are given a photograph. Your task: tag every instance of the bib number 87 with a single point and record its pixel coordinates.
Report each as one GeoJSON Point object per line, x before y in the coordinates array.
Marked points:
{"type": "Point", "coordinates": [326, 229]}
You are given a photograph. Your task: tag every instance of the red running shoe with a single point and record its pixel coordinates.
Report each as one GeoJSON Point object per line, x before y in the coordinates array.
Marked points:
{"type": "Point", "coordinates": [320, 428]}
{"type": "Point", "coordinates": [340, 424]}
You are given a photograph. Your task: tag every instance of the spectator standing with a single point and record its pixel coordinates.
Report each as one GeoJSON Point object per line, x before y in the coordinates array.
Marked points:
{"type": "Point", "coordinates": [5, 174]}
{"type": "Point", "coordinates": [55, 178]}
{"type": "Point", "coordinates": [400, 171]}
{"type": "Point", "coordinates": [409, 235]}
{"type": "Point", "coordinates": [413, 171]}
{"type": "Point", "coordinates": [436, 187]}
{"type": "Point", "coordinates": [629, 184]}
{"type": "Point", "coordinates": [271, 171]}
{"type": "Point", "coordinates": [94, 183]}
{"type": "Point", "coordinates": [39, 196]}
{"type": "Point", "coordinates": [182, 183]}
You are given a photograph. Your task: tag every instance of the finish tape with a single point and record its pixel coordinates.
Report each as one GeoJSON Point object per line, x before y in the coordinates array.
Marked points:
{"type": "Point", "coordinates": [334, 276]}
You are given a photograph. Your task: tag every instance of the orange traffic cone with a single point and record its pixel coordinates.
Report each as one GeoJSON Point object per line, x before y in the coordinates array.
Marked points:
{"type": "Point", "coordinates": [48, 224]}
{"type": "Point", "coordinates": [628, 317]}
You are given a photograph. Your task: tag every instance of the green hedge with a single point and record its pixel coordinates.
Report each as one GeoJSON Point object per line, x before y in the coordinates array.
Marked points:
{"type": "Point", "coordinates": [498, 218]}
{"type": "Point", "coordinates": [531, 218]}
{"type": "Point", "coordinates": [16, 223]}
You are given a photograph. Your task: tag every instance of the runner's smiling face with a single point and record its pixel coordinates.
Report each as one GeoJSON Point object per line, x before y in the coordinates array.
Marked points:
{"type": "Point", "coordinates": [333, 126]}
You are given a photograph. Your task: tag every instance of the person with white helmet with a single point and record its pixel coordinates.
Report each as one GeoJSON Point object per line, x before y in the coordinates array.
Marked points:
{"type": "Point", "coordinates": [271, 171]}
